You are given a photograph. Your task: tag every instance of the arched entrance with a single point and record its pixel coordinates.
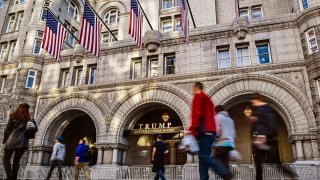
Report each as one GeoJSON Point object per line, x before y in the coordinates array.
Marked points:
{"type": "Point", "coordinates": [145, 123]}
{"type": "Point", "coordinates": [72, 125]}
{"type": "Point", "coordinates": [238, 107]}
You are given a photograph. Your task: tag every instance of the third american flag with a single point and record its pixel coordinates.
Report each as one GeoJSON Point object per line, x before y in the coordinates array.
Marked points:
{"type": "Point", "coordinates": [90, 34]}
{"type": "Point", "coordinates": [184, 20]}
{"type": "Point", "coordinates": [135, 26]}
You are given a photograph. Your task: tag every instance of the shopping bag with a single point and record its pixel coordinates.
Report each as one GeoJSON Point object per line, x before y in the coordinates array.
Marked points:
{"type": "Point", "coordinates": [189, 144]}
{"type": "Point", "coordinates": [235, 156]}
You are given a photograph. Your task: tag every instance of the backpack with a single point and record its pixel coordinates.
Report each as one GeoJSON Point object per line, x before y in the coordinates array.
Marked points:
{"type": "Point", "coordinates": [31, 129]}
{"type": "Point", "coordinates": [86, 155]}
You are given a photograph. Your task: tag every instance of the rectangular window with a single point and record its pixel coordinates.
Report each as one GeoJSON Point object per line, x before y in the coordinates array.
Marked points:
{"type": "Point", "coordinates": [243, 12]}
{"type": "Point", "coordinates": [2, 83]}
{"type": "Point", "coordinates": [64, 78]}
{"type": "Point", "coordinates": [257, 12]}
{"type": "Point", "coordinates": [107, 37]}
{"type": "Point", "coordinates": [19, 1]}
{"type": "Point", "coordinates": [39, 34]}
{"type": "Point", "coordinates": [243, 57]}
{"type": "Point", "coordinates": [166, 25]}
{"type": "Point", "coordinates": [77, 76]}
{"type": "Point", "coordinates": [3, 52]}
{"type": "Point", "coordinates": [70, 38]}
{"type": "Point", "coordinates": [153, 66]}
{"type": "Point", "coordinates": [224, 60]}
{"type": "Point", "coordinates": [166, 4]}
{"type": "Point", "coordinates": [37, 46]}
{"type": "Point", "coordinates": [312, 41]}
{"type": "Point", "coordinates": [11, 50]}
{"type": "Point", "coordinates": [177, 2]}
{"type": "Point", "coordinates": [44, 14]}
{"type": "Point", "coordinates": [177, 25]}
{"type": "Point", "coordinates": [31, 78]}
{"type": "Point", "coordinates": [136, 68]}
{"type": "Point", "coordinates": [263, 53]}
{"type": "Point", "coordinates": [92, 74]}
{"type": "Point", "coordinates": [170, 64]}
{"type": "Point", "coordinates": [11, 23]}
{"type": "Point", "coordinates": [19, 21]}
{"type": "Point", "coordinates": [303, 4]}
{"type": "Point", "coordinates": [1, 4]}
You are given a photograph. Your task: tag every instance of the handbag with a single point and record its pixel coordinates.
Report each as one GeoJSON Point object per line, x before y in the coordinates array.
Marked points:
{"type": "Point", "coordinates": [189, 144]}
{"type": "Point", "coordinates": [31, 129]}
{"type": "Point", "coordinates": [235, 156]}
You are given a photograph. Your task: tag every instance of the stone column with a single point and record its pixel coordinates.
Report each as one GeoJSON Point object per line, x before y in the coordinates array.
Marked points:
{"type": "Point", "coordinates": [307, 149]}
{"type": "Point", "coordinates": [124, 155]}
{"type": "Point", "coordinates": [100, 155]}
{"type": "Point", "coordinates": [190, 159]}
{"type": "Point", "coordinates": [299, 150]}
{"type": "Point", "coordinates": [40, 157]}
{"type": "Point", "coordinates": [30, 157]}
{"type": "Point", "coordinates": [315, 149]}
{"type": "Point", "coordinates": [294, 151]}
{"type": "Point", "coordinates": [115, 156]}
{"type": "Point", "coordinates": [107, 156]}
{"type": "Point", "coordinates": [172, 154]}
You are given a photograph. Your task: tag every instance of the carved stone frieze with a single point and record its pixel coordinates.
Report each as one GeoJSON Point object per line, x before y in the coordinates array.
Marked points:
{"type": "Point", "coordinates": [115, 146]}
{"type": "Point", "coordinates": [169, 11]}
{"type": "Point", "coordinates": [302, 137]}
{"type": "Point", "coordinates": [295, 78]}
{"type": "Point", "coordinates": [240, 27]}
{"type": "Point", "coordinates": [152, 40]}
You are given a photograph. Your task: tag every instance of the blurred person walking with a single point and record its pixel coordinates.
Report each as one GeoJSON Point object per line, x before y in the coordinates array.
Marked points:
{"type": "Point", "coordinates": [82, 160]}
{"type": "Point", "coordinates": [203, 128]}
{"type": "Point", "coordinates": [159, 150]}
{"type": "Point", "coordinates": [226, 135]}
{"type": "Point", "coordinates": [57, 157]}
{"type": "Point", "coordinates": [263, 133]}
{"type": "Point", "coordinates": [15, 141]}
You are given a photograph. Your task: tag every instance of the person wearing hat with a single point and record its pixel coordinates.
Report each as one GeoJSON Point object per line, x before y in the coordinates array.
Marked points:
{"type": "Point", "coordinates": [57, 157]}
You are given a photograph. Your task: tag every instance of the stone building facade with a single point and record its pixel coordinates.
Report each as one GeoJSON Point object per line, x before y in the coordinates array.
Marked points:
{"type": "Point", "coordinates": [121, 100]}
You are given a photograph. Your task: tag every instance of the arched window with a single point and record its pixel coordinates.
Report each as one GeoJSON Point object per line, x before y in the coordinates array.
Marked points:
{"type": "Point", "coordinates": [73, 10]}
{"type": "Point", "coordinates": [112, 16]}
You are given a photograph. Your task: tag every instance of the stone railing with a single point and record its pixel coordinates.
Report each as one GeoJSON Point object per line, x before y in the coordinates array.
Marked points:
{"type": "Point", "coordinates": [187, 172]}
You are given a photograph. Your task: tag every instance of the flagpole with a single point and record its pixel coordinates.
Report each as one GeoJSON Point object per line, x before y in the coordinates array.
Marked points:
{"type": "Point", "coordinates": [102, 20]}
{"type": "Point", "coordinates": [144, 14]}
{"type": "Point", "coordinates": [194, 24]}
{"type": "Point", "coordinates": [61, 23]}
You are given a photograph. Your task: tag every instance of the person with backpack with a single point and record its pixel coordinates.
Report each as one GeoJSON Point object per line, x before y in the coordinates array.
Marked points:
{"type": "Point", "coordinates": [82, 159]}
{"type": "Point", "coordinates": [57, 157]}
{"type": "Point", "coordinates": [226, 134]}
{"type": "Point", "coordinates": [203, 128]}
{"type": "Point", "coordinates": [158, 152]}
{"type": "Point", "coordinates": [15, 140]}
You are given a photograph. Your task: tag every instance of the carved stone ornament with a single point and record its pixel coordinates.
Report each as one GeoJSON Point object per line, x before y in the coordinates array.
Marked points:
{"type": "Point", "coordinates": [240, 27]}
{"type": "Point", "coordinates": [78, 53]}
{"type": "Point", "coordinates": [152, 40]}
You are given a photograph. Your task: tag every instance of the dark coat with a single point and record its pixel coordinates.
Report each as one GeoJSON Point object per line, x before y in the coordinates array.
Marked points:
{"type": "Point", "coordinates": [158, 162]}
{"type": "Point", "coordinates": [14, 135]}
{"type": "Point", "coordinates": [266, 121]}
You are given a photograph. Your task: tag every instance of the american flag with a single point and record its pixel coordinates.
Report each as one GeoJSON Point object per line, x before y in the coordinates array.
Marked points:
{"type": "Point", "coordinates": [90, 34]}
{"type": "Point", "coordinates": [184, 20]}
{"type": "Point", "coordinates": [54, 35]}
{"type": "Point", "coordinates": [136, 19]}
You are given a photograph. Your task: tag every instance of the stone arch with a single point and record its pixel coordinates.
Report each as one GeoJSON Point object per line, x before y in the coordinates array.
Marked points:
{"type": "Point", "coordinates": [49, 116]}
{"type": "Point", "coordinates": [170, 96]}
{"type": "Point", "coordinates": [293, 104]}
{"type": "Point", "coordinates": [113, 4]}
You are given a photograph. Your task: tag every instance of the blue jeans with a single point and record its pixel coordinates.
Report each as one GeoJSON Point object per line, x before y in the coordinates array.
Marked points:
{"type": "Point", "coordinates": [205, 159]}
{"type": "Point", "coordinates": [160, 175]}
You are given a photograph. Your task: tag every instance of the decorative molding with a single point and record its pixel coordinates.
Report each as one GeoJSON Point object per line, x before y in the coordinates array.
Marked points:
{"type": "Point", "coordinates": [303, 137]}
{"type": "Point", "coordinates": [169, 11]}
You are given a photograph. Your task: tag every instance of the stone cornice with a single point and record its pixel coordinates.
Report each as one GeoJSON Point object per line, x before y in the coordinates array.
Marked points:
{"type": "Point", "coordinates": [171, 78]}
{"type": "Point", "coordinates": [302, 137]}
{"type": "Point", "coordinates": [112, 146]}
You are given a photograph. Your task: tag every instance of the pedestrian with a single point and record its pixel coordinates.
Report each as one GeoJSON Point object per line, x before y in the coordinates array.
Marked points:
{"type": "Point", "coordinates": [15, 141]}
{"type": "Point", "coordinates": [82, 159]}
{"type": "Point", "coordinates": [226, 135]}
{"type": "Point", "coordinates": [159, 150]}
{"type": "Point", "coordinates": [57, 157]}
{"type": "Point", "coordinates": [263, 133]}
{"type": "Point", "coordinates": [203, 128]}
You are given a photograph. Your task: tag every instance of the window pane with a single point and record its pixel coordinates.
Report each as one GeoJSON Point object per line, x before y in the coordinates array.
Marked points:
{"type": "Point", "coordinates": [223, 59]}
{"type": "Point", "coordinates": [167, 4]}
{"type": "Point", "coordinates": [137, 69]}
{"type": "Point", "coordinates": [32, 73]}
{"type": "Point", "coordinates": [167, 26]}
{"type": "Point", "coordinates": [153, 68]}
{"type": "Point", "coordinates": [93, 75]}
{"type": "Point", "coordinates": [263, 49]}
{"type": "Point", "coordinates": [1, 4]}
{"type": "Point", "coordinates": [3, 53]}
{"type": "Point", "coordinates": [170, 65]}
{"type": "Point", "coordinates": [263, 54]}
{"type": "Point", "coordinates": [244, 13]}
{"type": "Point", "coordinates": [44, 15]}
{"type": "Point", "coordinates": [243, 57]}
{"type": "Point", "coordinates": [256, 13]}
{"type": "Point", "coordinates": [312, 41]}
{"type": "Point", "coordinates": [178, 26]}
{"type": "Point", "coordinates": [2, 83]}
{"type": "Point", "coordinates": [305, 4]}
{"type": "Point", "coordinates": [30, 82]}
{"type": "Point", "coordinates": [37, 47]}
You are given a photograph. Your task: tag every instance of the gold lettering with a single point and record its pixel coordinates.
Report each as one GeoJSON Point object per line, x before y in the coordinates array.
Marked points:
{"type": "Point", "coordinates": [146, 126]}
{"type": "Point", "coordinates": [161, 125]}
{"type": "Point", "coordinates": [140, 125]}
{"type": "Point", "coordinates": [169, 125]}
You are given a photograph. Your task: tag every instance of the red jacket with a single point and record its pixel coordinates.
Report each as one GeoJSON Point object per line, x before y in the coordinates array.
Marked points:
{"type": "Point", "coordinates": [202, 117]}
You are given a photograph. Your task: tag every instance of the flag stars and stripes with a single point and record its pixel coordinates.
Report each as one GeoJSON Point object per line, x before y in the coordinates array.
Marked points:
{"type": "Point", "coordinates": [136, 21]}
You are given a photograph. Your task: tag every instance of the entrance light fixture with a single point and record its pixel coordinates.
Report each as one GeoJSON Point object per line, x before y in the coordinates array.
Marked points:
{"type": "Point", "coordinates": [247, 111]}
